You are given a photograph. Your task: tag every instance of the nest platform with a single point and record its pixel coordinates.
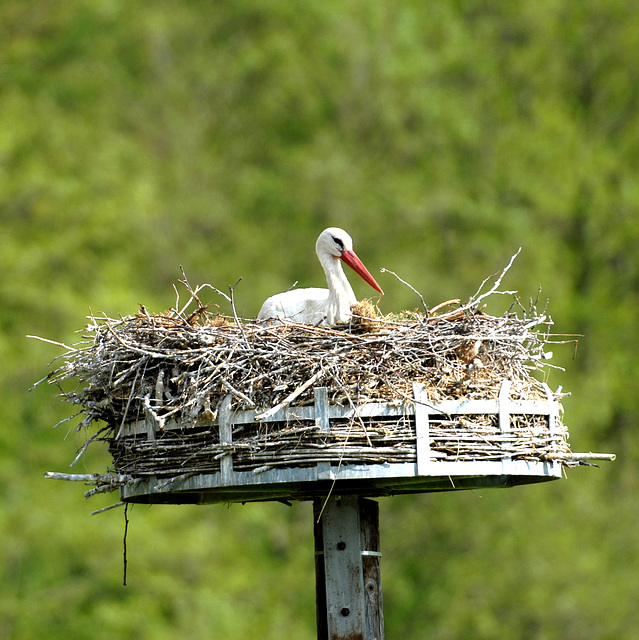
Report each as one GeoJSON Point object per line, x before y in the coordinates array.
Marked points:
{"type": "Point", "coordinates": [373, 449]}
{"type": "Point", "coordinates": [197, 408]}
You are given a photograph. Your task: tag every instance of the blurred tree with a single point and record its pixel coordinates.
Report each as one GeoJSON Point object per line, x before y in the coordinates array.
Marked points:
{"type": "Point", "coordinates": [223, 137]}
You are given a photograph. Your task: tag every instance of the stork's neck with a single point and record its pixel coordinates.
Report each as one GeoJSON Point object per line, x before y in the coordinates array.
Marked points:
{"type": "Point", "coordinates": [340, 292]}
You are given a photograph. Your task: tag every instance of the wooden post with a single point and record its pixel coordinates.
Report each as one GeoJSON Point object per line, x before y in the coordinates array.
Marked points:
{"type": "Point", "coordinates": [347, 569]}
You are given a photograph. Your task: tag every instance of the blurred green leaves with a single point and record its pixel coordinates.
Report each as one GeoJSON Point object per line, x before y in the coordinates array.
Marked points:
{"type": "Point", "coordinates": [224, 137]}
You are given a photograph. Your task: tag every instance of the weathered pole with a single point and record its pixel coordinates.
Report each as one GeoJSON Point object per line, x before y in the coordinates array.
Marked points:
{"type": "Point", "coordinates": [347, 569]}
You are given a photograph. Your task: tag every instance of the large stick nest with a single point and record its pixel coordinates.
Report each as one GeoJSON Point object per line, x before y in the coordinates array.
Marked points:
{"type": "Point", "coordinates": [168, 367]}
{"type": "Point", "coordinates": [178, 366]}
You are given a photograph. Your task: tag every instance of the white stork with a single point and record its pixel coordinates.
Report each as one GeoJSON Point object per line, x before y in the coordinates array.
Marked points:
{"type": "Point", "coordinates": [322, 306]}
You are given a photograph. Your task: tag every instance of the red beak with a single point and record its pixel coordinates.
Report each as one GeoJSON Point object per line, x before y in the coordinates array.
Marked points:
{"type": "Point", "coordinates": [351, 259]}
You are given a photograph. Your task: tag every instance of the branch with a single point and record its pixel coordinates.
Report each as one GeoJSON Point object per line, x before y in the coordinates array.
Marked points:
{"type": "Point", "coordinates": [87, 443]}
{"type": "Point", "coordinates": [56, 343]}
{"type": "Point", "coordinates": [237, 320]}
{"type": "Point", "coordinates": [201, 308]}
{"type": "Point", "coordinates": [105, 478]}
{"type": "Point", "coordinates": [273, 410]}
{"type": "Point", "coordinates": [474, 301]}
{"type": "Point", "coordinates": [383, 270]}
{"type": "Point", "coordinates": [111, 506]}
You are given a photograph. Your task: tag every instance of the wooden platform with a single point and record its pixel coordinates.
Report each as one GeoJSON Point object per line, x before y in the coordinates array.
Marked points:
{"type": "Point", "coordinates": [428, 471]}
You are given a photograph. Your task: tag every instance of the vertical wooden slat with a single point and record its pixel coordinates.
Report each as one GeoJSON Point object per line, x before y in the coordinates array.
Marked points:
{"type": "Point", "coordinates": [504, 406]}
{"type": "Point", "coordinates": [322, 422]}
{"type": "Point", "coordinates": [504, 412]}
{"type": "Point", "coordinates": [553, 415]}
{"type": "Point", "coordinates": [422, 428]}
{"type": "Point", "coordinates": [225, 425]}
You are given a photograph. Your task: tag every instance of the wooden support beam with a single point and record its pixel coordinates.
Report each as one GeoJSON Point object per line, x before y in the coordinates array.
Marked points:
{"type": "Point", "coordinates": [347, 569]}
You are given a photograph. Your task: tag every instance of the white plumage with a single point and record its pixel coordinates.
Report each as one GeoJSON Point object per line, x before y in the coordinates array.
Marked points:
{"type": "Point", "coordinates": [322, 306]}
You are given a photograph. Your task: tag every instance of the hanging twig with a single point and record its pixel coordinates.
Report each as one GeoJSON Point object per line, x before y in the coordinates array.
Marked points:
{"type": "Point", "coordinates": [126, 532]}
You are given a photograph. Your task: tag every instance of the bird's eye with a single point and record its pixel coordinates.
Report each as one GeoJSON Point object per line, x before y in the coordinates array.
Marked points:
{"type": "Point", "coordinates": [338, 242]}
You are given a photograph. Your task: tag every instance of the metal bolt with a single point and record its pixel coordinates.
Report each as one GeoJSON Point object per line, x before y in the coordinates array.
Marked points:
{"type": "Point", "coordinates": [341, 546]}
{"type": "Point", "coordinates": [345, 611]}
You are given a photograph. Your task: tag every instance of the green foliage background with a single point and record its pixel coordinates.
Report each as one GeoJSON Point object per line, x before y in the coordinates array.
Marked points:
{"type": "Point", "coordinates": [223, 136]}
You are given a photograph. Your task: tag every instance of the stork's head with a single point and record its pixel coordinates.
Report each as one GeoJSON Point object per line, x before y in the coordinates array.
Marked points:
{"type": "Point", "coordinates": [334, 242]}
{"type": "Point", "coordinates": [337, 243]}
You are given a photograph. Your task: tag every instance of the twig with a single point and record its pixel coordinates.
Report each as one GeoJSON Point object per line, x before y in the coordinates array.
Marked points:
{"type": "Point", "coordinates": [446, 303]}
{"type": "Point", "coordinates": [582, 456]}
{"type": "Point", "coordinates": [474, 300]}
{"type": "Point", "coordinates": [111, 506]}
{"type": "Point", "coordinates": [126, 532]}
{"type": "Point", "coordinates": [383, 270]}
{"type": "Point", "coordinates": [200, 307]}
{"type": "Point", "coordinates": [236, 393]}
{"type": "Point", "coordinates": [91, 478]}
{"type": "Point", "coordinates": [87, 443]}
{"type": "Point", "coordinates": [287, 401]}
{"type": "Point", "coordinates": [237, 320]}
{"type": "Point", "coordinates": [55, 342]}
